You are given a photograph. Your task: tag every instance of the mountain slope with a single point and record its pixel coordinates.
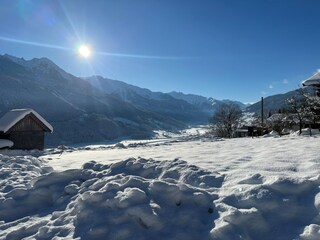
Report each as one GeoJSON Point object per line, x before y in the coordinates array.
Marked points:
{"type": "Point", "coordinates": [78, 111]}
{"type": "Point", "coordinates": [207, 105]}
{"type": "Point", "coordinates": [160, 103]}
{"type": "Point", "coordinates": [95, 108]}
{"type": "Point", "coordinates": [275, 102]}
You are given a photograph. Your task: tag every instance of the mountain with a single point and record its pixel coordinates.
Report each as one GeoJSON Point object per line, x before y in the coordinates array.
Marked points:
{"type": "Point", "coordinates": [95, 108]}
{"type": "Point", "coordinates": [188, 108]}
{"type": "Point", "coordinates": [275, 102]}
{"type": "Point", "coordinates": [78, 111]}
{"type": "Point", "coordinates": [240, 104]}
{"type": "Point", "coordinates": [160, 103]}
{"type": "Point", "coordinates": [207, 105]}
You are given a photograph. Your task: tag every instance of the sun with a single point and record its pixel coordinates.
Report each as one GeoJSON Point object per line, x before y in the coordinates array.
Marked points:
{"type": "Point", "coordinates": [84, 51]}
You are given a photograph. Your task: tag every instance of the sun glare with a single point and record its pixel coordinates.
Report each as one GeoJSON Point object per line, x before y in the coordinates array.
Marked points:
{"type": "Point", "coordinates": [84, 51]}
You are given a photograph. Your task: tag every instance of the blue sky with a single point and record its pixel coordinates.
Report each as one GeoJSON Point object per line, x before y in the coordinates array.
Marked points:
{"type": "Point", "coordinates": [226, 49]}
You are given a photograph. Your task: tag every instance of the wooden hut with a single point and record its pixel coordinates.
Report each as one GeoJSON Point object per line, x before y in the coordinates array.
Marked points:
{"type": "Point", "coordinates": [249, 131]}
{"type": "Point", "coordinates": [25, 128]}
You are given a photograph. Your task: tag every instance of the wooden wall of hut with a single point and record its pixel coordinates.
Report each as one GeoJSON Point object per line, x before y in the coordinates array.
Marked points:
{"type": "Point", "coordinates": [28, 133]}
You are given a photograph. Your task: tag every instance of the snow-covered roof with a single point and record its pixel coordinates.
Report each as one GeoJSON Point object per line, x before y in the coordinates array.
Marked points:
{"type": "Point", "coordinates": [15, 115]}
{"type": "Point", "coordinates": [312, 81]}
{"type": "Point", "coordinates": [282, 117]}
{"type": "Point", "coordinates": [276, 117]}
{"type": "Point", "coordinates": [5, 143]}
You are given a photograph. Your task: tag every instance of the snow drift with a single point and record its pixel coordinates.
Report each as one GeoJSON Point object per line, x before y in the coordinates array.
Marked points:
{"type": "Point", "coordinates": [144, 199]}
{"type": "Point", "coordinates": [132, 199]}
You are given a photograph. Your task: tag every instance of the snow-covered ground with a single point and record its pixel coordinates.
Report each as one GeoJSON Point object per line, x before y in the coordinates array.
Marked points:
{"type": "Point", "coordinates": [178, 186]}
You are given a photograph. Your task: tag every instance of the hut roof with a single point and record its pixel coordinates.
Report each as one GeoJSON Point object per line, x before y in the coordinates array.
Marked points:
{"type": "Point", "coordinates": [276, 117]}
{"type": "Point", "coordinates": [15, 115]}
{"type": "Point", "coordinates": [5, 143]}
{"type": "Point", "coordinates": [314, 80]}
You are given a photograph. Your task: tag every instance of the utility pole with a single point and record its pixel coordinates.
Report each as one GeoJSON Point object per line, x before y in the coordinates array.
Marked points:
{"type": "Point", "coordinates": [262, 113]}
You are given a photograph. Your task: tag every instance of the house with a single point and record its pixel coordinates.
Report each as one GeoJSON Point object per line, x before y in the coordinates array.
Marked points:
{"type": "Point", "coordinates": [282, 123]}
{"type": "Point", "coordinates": [25, 128]}
{"type": "Point", "coordinates": [313, 81]}
{"type": "Point", "coordinates": [249, 131]}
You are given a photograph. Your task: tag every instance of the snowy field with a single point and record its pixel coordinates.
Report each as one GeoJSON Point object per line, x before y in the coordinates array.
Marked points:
{"type": "Point", "coordinates": [177, 186]}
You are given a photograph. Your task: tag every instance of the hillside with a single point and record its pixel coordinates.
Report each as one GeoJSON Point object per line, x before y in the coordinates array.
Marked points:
{"type": "Point", "coordinates": [207, 105]}
{"type": "Point", "coordinates": [188, 108]}
{"type": "Point", "coordinates": [95, 109]}
{"type": "Point", "coordinates": [158, 102]}
{"type": "Point", "coordinates": [78, 111]}
{"type": "Point", "coordinates": [275, 102]}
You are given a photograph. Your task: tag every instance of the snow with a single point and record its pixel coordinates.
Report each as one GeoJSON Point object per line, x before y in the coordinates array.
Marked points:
{"type": "Point", "coordinates": [4, 143]}
{"type": "Point", "coordinates": [15, 115]}
{"type": "Point", "coordinates": [314, 80]}
{"type": "Point", "coordinates": [168, 188]}
{"type": "Point", "coordinates": [249, 119]}
{"type": "Point", "coordinates": [311, 82]}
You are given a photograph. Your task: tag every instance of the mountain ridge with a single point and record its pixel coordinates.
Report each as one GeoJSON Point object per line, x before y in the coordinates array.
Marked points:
{"type": "Point", "coordinates": [95, 108]}
{"type": "Point", "coordinates": [78, 111]}
{"type": "Point", "coordinates": [158, 102]}
{"type": "Point", "coordinates": [200, 107]}
{"type": "Point", "coordinates": [274, 103]}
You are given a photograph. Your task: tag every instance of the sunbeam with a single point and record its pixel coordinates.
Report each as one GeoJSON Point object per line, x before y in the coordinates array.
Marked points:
{"type": "Point", "coordinates": [109, 54]}
{"type": "Point", "coordinates": [141, 56]}
{"type": "Point", "coordinates": [37, 44]}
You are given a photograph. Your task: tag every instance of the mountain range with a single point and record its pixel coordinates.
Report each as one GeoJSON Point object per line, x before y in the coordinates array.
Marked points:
{"type": "Point", "coordinates": [95, 109]}
{"type": "Point", "coordinates": [187, 108]}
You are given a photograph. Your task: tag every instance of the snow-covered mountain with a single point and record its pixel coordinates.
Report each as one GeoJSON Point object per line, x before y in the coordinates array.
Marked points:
{"type": "Point", "coordinates": [184, 107]}
{"type": "Point", "coordinates": [208, 105]}
{"type": "Point", "coordinates": [158, 102]}
{"type": "Point", "coordinates": [121, 89]}
{"type": "Point", "coordinates": [78, 111]}
{"type": "Point", "coordinates": [95, 108]}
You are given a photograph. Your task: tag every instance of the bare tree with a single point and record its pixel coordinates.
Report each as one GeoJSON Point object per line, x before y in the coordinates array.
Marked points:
{"type": "Point", "coordinates": [314, 106]}
{"type": "Point", "coordinates": [226, 119]}
{"type": "Point", "coordinates": [300, 107]}
{"type": "Point", "coordinates": [306, 107]}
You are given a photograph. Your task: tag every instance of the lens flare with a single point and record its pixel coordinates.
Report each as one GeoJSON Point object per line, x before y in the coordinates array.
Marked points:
{"type": "Point", "coordinates": [84, 51]}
